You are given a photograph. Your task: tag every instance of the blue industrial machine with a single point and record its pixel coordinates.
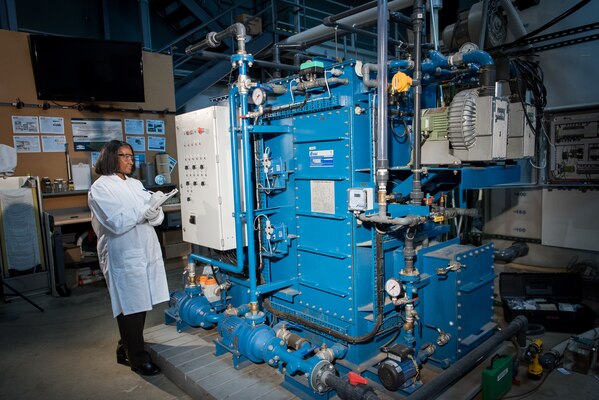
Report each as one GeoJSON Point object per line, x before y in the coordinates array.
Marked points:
{"type": "Point", "coordinates": [347, 191]}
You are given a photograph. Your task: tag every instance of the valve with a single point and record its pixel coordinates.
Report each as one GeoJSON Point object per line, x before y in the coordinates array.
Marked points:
{"type": "Point", "coordinates": [452, 266]}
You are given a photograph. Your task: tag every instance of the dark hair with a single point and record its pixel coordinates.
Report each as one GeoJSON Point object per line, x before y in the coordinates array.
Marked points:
{"type": "Point", "coordinates": [108, 162]}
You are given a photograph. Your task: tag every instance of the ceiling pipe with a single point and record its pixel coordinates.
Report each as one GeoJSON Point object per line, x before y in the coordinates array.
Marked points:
{"type": "Point", "coordinates": [320, 33]}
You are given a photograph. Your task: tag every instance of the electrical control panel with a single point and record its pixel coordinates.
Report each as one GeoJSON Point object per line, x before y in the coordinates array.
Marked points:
{"type": "Point", "coordinates": [574, 148]}
{"type": "Point", "coordinates": [205, 178]}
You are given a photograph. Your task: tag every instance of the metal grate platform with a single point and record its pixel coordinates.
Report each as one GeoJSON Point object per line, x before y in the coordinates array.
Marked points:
{"type": "Point", "coordinates": [188, 360]}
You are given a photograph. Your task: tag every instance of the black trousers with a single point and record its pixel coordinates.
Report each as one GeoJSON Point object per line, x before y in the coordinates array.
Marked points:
{"type": "Point", "coordinates": [131, 328]}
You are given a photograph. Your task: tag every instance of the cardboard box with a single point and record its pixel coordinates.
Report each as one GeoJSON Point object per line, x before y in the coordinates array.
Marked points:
{"type": "Point", "coordinates": [170, 237]}
{"type": "Point", "coordinates": [253, 25]}
{"type": "Point", "coordinates": [175, 250]}
{"type": "Point", "coordinates": [72, 254]}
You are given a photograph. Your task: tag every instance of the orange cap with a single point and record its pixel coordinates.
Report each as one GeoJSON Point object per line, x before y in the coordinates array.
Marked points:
{"type": "Point", "coordinates": [210, 281]}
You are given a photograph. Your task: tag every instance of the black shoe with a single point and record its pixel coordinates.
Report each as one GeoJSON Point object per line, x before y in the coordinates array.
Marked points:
{"type": "Point", "coordinates": [121, 356]}
{"type": "Point", "coordinates": [147, 368]}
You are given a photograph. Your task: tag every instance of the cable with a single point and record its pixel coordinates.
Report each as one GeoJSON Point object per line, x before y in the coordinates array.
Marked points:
{"type": "Point", "coordinates": [531, 391]}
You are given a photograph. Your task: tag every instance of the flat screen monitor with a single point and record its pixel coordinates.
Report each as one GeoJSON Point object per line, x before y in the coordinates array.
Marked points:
{"type": "Point", "coordinates": [76, 69]}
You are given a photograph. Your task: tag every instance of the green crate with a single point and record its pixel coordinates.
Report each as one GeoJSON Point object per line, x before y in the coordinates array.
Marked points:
{"type": "Point", "coordinates": [497, 378]}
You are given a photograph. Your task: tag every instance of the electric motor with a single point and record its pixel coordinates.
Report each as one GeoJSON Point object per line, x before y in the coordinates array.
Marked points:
{"type": "Point", "coordinates": [394, 374]}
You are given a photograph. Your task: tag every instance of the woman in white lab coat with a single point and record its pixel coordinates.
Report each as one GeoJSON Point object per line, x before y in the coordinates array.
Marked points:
{"type": "Point", "coordinates": [128, 250]}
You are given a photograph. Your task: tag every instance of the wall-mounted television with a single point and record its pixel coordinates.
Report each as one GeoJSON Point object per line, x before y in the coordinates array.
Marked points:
{"type": "Point", "coordinates": [76, 69]}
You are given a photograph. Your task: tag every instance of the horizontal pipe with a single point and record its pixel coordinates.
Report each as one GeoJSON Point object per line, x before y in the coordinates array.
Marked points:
{"type": "Point", "coordinates": [466, 363]}
{"type": "Point", "coordinates": [409, 220]}
{"type": "Point", "coordinates": [314, 35]}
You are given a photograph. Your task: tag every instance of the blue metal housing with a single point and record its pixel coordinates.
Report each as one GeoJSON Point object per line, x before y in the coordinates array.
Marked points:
{"type": "Point", "coordinates": [318, 266]}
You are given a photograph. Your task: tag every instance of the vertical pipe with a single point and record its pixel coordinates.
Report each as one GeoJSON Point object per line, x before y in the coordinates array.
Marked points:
{"type": "Point", "coordinates": [248, 158]}
{"type": "Point", "coordinates": [146, 33]}
{"type": "Point", "coordinates": [382, 162]}
{"type": "Point", "coordinates": [416, 195]}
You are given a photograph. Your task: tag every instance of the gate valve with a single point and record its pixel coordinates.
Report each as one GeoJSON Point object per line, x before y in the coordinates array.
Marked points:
{"type": "Point", "coordinates": [356, 379]}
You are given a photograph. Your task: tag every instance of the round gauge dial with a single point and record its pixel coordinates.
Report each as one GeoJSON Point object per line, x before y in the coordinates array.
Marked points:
{"type": "Point", "coordinates": [393, 288]}
{"type": "Point", "coordinates": [468, 47]}
{"type": "Point", "coordinates": [259, 96]}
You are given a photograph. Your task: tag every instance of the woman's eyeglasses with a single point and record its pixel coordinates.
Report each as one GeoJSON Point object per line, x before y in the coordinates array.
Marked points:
{"type": "Point", "coordinates": [127, 156]}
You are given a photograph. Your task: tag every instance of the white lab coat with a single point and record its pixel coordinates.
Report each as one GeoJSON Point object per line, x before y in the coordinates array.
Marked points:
{"type": "Point", "coordinates": [128, 248]}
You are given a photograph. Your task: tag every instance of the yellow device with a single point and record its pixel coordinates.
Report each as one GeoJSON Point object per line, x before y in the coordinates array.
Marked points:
{"type": "Point", "coordinates": [531, 356]}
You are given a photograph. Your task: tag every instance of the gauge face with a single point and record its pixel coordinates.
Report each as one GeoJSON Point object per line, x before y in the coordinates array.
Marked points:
{"type": "Point", "coordinates": [258, 96]}
{"type": "Point", "coordinates": [468, 47]}
{"type": "Point", "coordinates": [393, 287]}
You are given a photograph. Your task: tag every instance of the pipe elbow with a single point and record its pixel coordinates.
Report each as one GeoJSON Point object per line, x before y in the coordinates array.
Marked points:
{"type": "Point", "coordinates": [479, 57]}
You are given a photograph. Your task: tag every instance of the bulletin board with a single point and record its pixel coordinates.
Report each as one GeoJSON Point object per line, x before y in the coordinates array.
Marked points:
{"type": "Point", "coordinates": [150, 123]}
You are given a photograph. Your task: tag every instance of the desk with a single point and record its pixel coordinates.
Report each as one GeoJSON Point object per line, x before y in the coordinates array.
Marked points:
{"type": "Point", "coordinates": [75, 218]}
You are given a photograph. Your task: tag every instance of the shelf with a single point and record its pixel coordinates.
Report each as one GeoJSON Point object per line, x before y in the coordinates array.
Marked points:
{"type": "Point", "coordinates": [63, 194]}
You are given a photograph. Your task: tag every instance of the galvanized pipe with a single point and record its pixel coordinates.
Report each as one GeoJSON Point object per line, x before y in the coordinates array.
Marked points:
{"type": "Point", "coordinates": [382, 160]}
{"type": "Point", "coordinates": [213, 39]}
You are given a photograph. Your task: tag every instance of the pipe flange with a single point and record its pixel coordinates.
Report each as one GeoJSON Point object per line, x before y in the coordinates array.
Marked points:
{"type": "Point", "coordinates": [317, 375]}
{"type": "Point", "coordinates": [211, 38]}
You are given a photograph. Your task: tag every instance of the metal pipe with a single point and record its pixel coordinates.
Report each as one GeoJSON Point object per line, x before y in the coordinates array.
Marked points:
{"type": "Point", "coordinates": [416, 195]}
{"type": "Point", "coordinates": [465, 364]}
{"type": "Point", "coordinates": [319, 82]}
{"type": "Point", "coordinates": [382, 161]}
{"type": "Point", "coordinates": [483, 28]}
{"type": "Point", "coordinates": [331, 19]}
{"type": "Point", "coordinates": [213, 39]}
{"type": "Point", "coordinates": [248, 158]}
{"type": "Point", "coordinates": [354, 29]}
{"type": "Point", "coordinates": [434, 9]}
{"type": "Point", "coordinates": [316, 34]}
{"type": "Point", "coordinates": [409, 220]}
{"type": "Point", "coordinates": [210, 55]}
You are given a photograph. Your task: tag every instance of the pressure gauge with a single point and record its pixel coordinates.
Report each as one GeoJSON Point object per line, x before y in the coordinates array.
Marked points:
{"type": "Point", "coordinates": [393, 288]}
{"type": "Point", "coordinates": [259, 96]}
{"type": "Point", "coordinates": [468, 47]}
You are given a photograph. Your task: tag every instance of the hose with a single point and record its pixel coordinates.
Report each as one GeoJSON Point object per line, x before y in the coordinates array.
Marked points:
{"type": "Point", "coordinates": [509, 254]}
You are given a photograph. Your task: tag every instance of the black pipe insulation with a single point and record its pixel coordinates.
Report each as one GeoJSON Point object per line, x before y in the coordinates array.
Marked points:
{"type": "Point", "coordinates": [328, 331]}
{"type": "Point", "coordinates": [432, 389]}
{"type": "Point", "coordinates": [347, 391]}
{"type": "Point", "coordinates": [509, 254]}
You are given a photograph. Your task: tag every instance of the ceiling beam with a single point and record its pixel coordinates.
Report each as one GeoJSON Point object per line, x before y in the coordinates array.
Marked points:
{"type": "Point", "coordinates": [217, 72]}
{"type": "Point", "coordinates": [202, 15]}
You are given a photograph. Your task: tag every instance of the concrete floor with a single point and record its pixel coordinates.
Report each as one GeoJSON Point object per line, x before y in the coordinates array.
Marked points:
{"type": "Point", "coordinates": [68, 352]}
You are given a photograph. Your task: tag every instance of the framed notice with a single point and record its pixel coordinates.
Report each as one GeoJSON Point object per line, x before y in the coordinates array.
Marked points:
{"type": "Point", "coordinates": [92, 134]}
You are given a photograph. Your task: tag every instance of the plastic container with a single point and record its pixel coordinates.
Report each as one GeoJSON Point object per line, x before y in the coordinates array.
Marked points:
{"type": "Point", "coordinates": [210, 287]}
{"type": "Point", "coordinates": [46, 185]}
